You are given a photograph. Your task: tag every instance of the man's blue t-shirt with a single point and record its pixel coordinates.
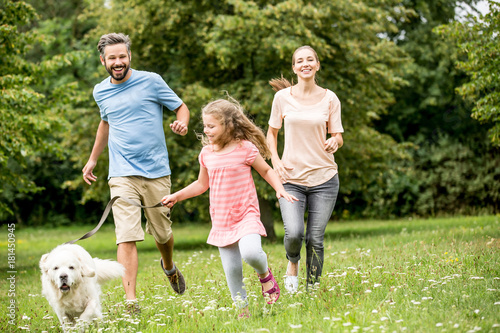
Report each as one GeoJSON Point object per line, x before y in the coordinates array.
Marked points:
{"type": "Point", "coordinates": [134, 112]}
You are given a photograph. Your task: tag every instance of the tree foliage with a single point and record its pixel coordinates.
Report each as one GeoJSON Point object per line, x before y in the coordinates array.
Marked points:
{"type": "Point", "coordinates": [433, 120]}
{"type": "Point", "coordinates": [206, 48]}
{"type": "Point", "coordinates": [478, 40]}
{"type": "Point", "coordinates": [395, 79]}
{"type": "Point", "coordinates": [33, 101]}
{"type": "Point", "coordinates": [429, 106]}
{"type": "Point", "coordinates": [444, 178]}
{"type": "Point", "coordinates": [26, 123]}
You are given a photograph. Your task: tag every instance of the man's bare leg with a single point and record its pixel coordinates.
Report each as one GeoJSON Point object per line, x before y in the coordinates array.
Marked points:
{"type": "Point", "coordinates": [167, 253]}
{"type": "Point", "coordinates": [174, 276]}
{"type": "Point", "coordinates": [127, 256]}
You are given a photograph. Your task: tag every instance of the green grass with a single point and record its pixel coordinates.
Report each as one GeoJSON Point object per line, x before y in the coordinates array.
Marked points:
{"type": "Point", "coordinates": [436, 275]}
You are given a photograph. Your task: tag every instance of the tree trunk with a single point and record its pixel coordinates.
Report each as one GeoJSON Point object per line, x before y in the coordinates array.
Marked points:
{"type": "Point", "coordinates": [266, 216]}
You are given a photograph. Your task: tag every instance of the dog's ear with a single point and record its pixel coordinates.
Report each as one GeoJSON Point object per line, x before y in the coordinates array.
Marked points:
{"type": "Point", "coordinates": [43, 263]}
{"type": "Point", "coordinates": [87, 270]}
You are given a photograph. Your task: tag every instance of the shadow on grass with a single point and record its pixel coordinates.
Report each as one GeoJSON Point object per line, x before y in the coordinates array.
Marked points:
{"type": "Point", "coordinates": [193, 237]}
{"type": "Point", "coordinates": [337, 231]}
{"type": "Point", "coordinates": [343, 234]}
{"type": "Point", "coordinates": [370, 231]}
{"type": "Point", "coordinates": [190, 238]}
{"type": "Point", "coordinates": [180, 245]}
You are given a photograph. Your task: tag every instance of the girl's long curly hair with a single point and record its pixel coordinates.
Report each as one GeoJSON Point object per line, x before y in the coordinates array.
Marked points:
{"type": "Point", "coordinates": [237, 126]}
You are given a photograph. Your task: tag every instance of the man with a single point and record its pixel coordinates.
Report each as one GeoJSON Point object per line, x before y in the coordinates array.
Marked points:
{"type": "Point", "coordinates": [131, 106]}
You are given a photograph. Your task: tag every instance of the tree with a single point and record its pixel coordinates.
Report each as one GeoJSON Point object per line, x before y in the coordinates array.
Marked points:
{"type": "Point", "coordinates": [203, 49]}
{"type": "Point", "coordinates": [30, 114]}
{"type": "Point", "coordinates": [431, 118]}
{"type": "Point", "coordinates": [478, 41]}
{"type": "Point", "coordinates": [380, 57]}
{"type": "Point", "coordinates": [429, 106]}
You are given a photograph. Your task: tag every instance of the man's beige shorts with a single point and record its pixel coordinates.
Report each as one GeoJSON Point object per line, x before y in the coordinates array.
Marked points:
{"type": "Point", "coordinates": [147, 192]}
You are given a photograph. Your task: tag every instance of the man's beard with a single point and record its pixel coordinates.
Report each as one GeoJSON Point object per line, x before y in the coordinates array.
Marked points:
{"type": "Point", "coordinates": [122, 76]}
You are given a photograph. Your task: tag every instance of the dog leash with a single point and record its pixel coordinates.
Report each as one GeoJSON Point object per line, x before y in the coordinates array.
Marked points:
{"type": "Point", "coordinates": [106, 213]}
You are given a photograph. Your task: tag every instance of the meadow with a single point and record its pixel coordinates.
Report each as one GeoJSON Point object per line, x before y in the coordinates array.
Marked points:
{"type": "Point", "coordinates": [413, 275]}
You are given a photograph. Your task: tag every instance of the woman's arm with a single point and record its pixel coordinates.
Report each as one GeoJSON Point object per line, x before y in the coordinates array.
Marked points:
{"type": "Point", "coordinates": [334, 143]}
{"type": "Point", "coordinates": [272, 142]}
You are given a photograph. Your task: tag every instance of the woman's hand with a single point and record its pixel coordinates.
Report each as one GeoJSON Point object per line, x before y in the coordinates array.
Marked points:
{"type": "Point", "coordinates": [331, 145]}
{"type": "Point", "coordinates": [281, 170]}
{"type": "Point", "coordinates": [286, 195]}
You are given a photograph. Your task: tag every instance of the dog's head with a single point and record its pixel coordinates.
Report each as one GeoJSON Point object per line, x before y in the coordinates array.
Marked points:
{"type": "Point", "coordinates": [66, 268]}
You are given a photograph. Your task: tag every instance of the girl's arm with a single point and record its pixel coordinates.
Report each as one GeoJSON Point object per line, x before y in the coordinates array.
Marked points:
{"type": "Point", "coordinates": [272, 178]}
{"type": "Point", "coordinates": [194, 189]}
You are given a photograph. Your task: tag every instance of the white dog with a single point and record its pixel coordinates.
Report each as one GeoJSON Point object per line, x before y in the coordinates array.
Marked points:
{"type": "Point", "coordinates": [71, 281]}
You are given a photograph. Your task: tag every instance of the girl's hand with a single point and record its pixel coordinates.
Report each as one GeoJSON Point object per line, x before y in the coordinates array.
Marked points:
{"type": "Point", "coordinates": [331, 145]}
{"type": "Point", "coordinates": [169, 200]}
{"type": "Point", "coordinates": [286, 195]}
{"type": "Point", "coordinates": [281, 170]}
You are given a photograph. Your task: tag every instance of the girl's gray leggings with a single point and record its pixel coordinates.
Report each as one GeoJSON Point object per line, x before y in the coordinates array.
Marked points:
{"type": "Point", "coordinates": [248, 248]}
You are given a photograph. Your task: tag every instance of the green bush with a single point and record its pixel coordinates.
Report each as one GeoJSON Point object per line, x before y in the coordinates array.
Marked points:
{"type": "Point", "coordinates": [445, 177]}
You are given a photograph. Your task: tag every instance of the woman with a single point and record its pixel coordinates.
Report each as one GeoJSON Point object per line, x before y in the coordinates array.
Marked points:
{"type": "Point", "coordinates": [307, 167]}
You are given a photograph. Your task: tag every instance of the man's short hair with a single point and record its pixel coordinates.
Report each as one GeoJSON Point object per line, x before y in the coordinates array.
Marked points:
{"type": "Point", "coordinates": [112, 39]}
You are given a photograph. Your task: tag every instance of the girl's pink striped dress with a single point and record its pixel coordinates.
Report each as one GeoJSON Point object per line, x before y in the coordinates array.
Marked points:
{"type": "Point", "coordinates": [234, 207]}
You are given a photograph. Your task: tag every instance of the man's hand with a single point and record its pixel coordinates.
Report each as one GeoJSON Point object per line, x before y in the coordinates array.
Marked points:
{"type": "Point", "coordinates": [87, 170]}
{"type": "Point", "coordinates": [178, 127]}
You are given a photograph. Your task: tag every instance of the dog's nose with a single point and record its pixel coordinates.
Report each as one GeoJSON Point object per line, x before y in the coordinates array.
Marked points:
{"type": "Point", "coordinates": [63, 277]}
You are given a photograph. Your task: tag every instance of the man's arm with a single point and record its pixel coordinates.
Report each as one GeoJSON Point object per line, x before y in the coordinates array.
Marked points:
{"type": "Point", "coordinates": [180, 126]}
{"type": "Point", "coordinates": [101, 140]}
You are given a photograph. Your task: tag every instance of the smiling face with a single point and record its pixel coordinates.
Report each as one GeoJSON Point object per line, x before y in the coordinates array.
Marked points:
{"type": "Point", "coordinates": [305, 63]}
{"type": "Point", "coordinates": [117, 62]}
{"type": "Point", "coordinates": [212, 128]}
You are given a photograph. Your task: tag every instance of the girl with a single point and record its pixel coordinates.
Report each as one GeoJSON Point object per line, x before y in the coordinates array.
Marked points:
{"type": "Point", "coordinates": [307, 166]}
{"type": "Point", "coordinates": [232, 144]}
